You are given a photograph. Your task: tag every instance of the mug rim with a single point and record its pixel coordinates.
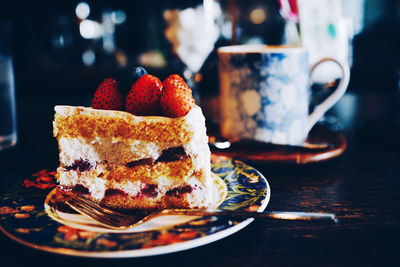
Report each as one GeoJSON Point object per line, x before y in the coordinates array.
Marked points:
{"type": "Point", "coordinates": [259, 48]}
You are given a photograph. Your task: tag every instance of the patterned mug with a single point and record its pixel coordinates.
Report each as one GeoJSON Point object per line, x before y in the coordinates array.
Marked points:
{"type": "Point", "coordinates": [265, 91]}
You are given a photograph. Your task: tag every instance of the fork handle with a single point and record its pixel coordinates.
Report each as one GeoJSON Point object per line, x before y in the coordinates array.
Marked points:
{"type": "Point", "coordinates": [279, 215]}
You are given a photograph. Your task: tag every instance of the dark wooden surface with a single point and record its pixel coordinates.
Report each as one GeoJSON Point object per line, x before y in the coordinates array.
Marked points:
{"type": "Point", "coordinates": [361, 187]}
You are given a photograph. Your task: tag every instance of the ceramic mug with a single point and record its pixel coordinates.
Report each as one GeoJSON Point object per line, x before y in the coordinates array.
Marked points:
{"type": "Point", "coordinates": [265, 93]}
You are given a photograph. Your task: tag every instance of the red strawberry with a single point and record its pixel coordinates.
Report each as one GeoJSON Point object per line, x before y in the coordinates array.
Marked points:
{"type": "Point", "coordinates": [144, 96]}
{"type": "Point", "coordinates": [176, 98]}
{"type": "Point", "coordinates": [107, 96]}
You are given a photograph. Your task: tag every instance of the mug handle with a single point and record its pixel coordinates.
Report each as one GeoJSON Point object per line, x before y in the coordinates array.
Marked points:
{"type": "Point", "coordinates": [331, 100]}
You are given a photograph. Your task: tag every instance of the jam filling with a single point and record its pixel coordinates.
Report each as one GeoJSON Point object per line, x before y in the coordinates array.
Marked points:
{"type": "Point", "coordinates": [80, 165]}
{"type": "Point", "coordinates": [114, 192]}
{"type": "Point", "coordinates": [149, 190]}
{"type": "Point", "coordinates": [179, 191]}
{"type": "Point", "coordinates": [168, 155]}
{"type": "Point", "coordinates": [147, 161]}
{"type": "Point", "coordinates": [77, 189]}
{"type": "Point", "coordinates": [172, 154]}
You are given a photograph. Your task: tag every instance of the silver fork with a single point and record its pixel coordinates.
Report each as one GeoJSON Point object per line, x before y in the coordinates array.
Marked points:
{"type": "Point", "coordinates": [120, 221]}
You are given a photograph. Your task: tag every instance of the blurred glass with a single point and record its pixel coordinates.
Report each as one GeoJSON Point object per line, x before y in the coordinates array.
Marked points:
{"type": "Point", "coordinates": [398, 99]}
{"type": "Point", "coordinates": [192, 30]}
{"type": "Point", "coordinates": [270, 22]}
{"type": "Point", "coordinates": [8, 125]}
{"type": "Point", "coordinates": [325, 32]}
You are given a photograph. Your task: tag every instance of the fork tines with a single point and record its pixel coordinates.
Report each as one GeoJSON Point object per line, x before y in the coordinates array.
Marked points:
{"type": "Point", "coordinates": [93, 210]}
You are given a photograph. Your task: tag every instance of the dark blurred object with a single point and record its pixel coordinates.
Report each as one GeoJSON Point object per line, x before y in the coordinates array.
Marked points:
{"type": "Point", "coordinates": [8, 123]}
{"type": "Point", "coordinates": [376, 50]}
{"type": "Point", "coordinates": [320, 91]}
{"type": "Point", "coordinates": [258, 22]}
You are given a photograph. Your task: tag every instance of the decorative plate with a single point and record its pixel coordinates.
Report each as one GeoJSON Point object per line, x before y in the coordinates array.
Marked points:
{"type": "Point", "coordinates": [24, 219]}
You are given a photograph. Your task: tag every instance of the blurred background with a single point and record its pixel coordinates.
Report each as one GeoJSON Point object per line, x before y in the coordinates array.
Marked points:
{"type": "Point", "coordinates": [61, 50]}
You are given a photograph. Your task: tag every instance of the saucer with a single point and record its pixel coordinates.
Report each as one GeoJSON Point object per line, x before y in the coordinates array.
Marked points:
{"type": "Point", "coordinates": [322, 144]}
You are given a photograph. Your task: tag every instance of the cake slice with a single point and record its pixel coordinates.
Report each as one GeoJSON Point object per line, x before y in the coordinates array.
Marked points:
{"type": "Point", "coordinates": [131, 162]}
{"type": "Point", "coordinates": [134, 162]}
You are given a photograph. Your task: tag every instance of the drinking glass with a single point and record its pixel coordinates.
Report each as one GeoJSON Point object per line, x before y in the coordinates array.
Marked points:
{"type": "Point", "coordinates": [8, 124]}
{"type": "Point", "coordinates": [192, 30]}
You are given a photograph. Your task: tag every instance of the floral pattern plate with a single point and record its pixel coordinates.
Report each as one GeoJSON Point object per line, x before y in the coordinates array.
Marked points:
{"type": "Point", "coordinates": [24, 219]}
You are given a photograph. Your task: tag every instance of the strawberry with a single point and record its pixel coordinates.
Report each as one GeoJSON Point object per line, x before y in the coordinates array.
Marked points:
{"type": "Point", "coordinates": [144, 96]}
{"type": "Point", "coordinates": [107, 96]}
{"type": "Point", "coordinates": [176, 98]}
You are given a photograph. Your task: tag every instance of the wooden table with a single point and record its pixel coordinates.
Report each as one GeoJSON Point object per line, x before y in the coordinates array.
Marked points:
{"type": "Point", "coordinates": [361, 187]}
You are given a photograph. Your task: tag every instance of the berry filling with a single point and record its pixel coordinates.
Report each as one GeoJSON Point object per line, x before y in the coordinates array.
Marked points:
{"type": "Point", "coordinates": [76, 189]}
{"type": "Point", "coordinates": [168, 155]}
{"type": "Point", "coordinates": [172, 154]}
{"type": "Point", "coordinates": [147, 161]}
{"type": "Point", "coordinates": [80, 165]}
{"type": "Point", "coordinates": [114, 192]}
{"type": "Point", "coordinates": [179, 191]}
{"type": "Point", "coordinates": [149, 191]}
